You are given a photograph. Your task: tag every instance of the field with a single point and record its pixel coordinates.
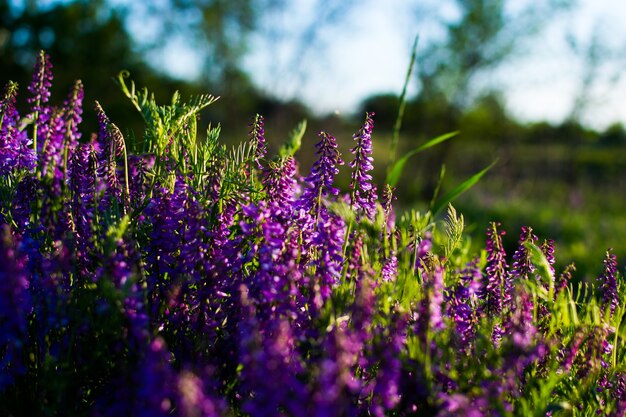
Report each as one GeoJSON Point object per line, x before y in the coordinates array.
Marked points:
{"type": "Point", "coordinates": [171, 274]}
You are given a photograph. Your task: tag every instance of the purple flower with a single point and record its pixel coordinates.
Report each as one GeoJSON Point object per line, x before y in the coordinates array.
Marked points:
{"type": "Point", "coordinates": [73, 114]}
{"type": "Point", "coordinates": [257, 138]}
{"type": "Point", "coordinates": [522, 266]}
{"type": "Point", "coordinates": [390, 268]}
{"type": "Point", "coordinates": [21, 206]}
{"type": "Point", "coordinates": [39, 89]}
{"type": "Point", "coordinates": [608, 282]}
{"type": "Point", "coordinates": [193, 399]}
{"type": "Point", "coordinates": [279, 182]}
{"type": "Point", "coordinates": [430, 309]}
{"type": "Point", "coordinates": [322, 175]}
{"type": "Point", "coordinates": [460, 405]}
{"type": "Point", "coordinates": [15, 147]}
{"type": "Point", "coordinates": [520, 327]}
{"type": "Point", "coordinates": [155, 389]}
{"type": "Point", "coordinates": [15, 306]}
{"type": "Point", "coordinates": [497, 282]}
{"type": "Point", "coordinates": [82, 182]}
{"type": "Point", "coordinates": [328, 240]}
{"type": "Point", "coordinates": [270, 354]}
{"type": "Point", "coordinates": [363, 196]}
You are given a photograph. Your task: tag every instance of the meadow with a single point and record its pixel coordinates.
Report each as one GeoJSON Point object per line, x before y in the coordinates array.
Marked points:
{"type": "Point", "coordinates": [170, 274]}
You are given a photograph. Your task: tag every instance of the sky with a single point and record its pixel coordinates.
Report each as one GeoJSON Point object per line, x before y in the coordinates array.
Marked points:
{"type": "Point", "coordinates": [366, 51]}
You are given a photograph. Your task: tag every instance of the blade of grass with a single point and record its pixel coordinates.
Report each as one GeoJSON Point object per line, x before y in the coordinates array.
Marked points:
{"type": "Point", "coordinates": [393, 176]}
{"type": "Point", "coordinates": [460, 189]}
{"type": "Point", "coordinates": [398, 123]}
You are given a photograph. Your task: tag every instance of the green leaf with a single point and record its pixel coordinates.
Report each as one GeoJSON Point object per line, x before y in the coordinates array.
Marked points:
{"type": "Point", "coordinates": [543, 266]}
{"type": "Point", "coordinates": [460, 189]}
{"type": "Point", "coordinates": [295, 140]}
{"type": "Point", "coordinates": [396, 170]}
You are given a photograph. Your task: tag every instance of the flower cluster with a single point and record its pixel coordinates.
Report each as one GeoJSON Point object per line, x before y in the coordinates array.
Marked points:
{"type": "Point", "coordinates": [195, 280]}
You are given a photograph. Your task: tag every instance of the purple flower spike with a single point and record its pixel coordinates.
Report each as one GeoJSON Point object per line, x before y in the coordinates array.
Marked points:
{"type": "Point", "coordinates": [497, 282]}
{"type": "Point", "coordinates": [39, 89]}
{"type": "Point", "coordinates": [257, 137]}
{"type": "Point", "coordinates": [73, 115]}
{"type": "Point", "coordinates": [608, 282]}
{"type": "Point", "coordinates": [15, 147]}
{"type": "Point", "coordinates": [322, 174]}
{"type": "Point", "coordinates": [522, 266]}
{"type": "Point", "coordinates": [279, 182]}
{"type": "Point", "coordinates": [390, 268]}
{"type": "Point", "coordinates": [363, 195]}
{"type": "Point", "coordinates": [430, 310]}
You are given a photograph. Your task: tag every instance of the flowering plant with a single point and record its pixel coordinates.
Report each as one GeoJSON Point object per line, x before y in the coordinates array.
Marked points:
{"type": "Point", "coordinates": [175, 276]}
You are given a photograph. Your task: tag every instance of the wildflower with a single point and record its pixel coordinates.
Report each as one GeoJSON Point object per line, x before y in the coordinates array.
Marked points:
{"type": "Point", "coordinates": [522, 266]}
{"type": "Point", "coordinates": [363, 195]}
{"type": "Point", "coordinates": [257, 138]}
{"type": "Point", "coordinates": [279, 182]}
{"type": "Point", "coordinates": [497, 282]}
{"type": "Point", "coordinates": [39, 89]}
{"type": "Point", "coordinates": [322, 174]}
{"type": "Point", "coordinates": [430, 310]}
{"type": "Point", "coordinates": [608, 282]}
{"type": "Point", "coordinates": [15, 147]}
{"type": "Point", "coordinates": [390, 268]}
{"type": "Point", "coordinates": [15, 306]}
{"type": "Point", "coordinates": [460, 405]}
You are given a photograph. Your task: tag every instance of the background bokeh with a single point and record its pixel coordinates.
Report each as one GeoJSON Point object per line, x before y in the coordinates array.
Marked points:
{"type": "Point", "coordinates": [536, 85]}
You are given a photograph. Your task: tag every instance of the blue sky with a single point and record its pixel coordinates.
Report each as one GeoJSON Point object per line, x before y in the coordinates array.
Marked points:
{"type": "Point", "coordinates": [366, 51]}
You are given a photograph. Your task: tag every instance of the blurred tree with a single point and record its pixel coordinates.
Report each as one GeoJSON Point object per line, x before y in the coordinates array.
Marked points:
{"type": "Point", "coordinates": [480, 36]}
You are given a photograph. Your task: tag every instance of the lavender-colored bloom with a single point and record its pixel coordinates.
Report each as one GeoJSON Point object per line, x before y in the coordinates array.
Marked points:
{"type": "Point", "coordinates": [363, 196]}
{"type": "Point", "coordinates": [463, 305]}
{"type": "Point", "coordinates": [355, 263]}
{"type": "Point", "coordinates": [15, 306]}
{"type": "Point", "coordinates": [192, 398]}
{"type": "Point", "coordinates": [460, 405]}
{"type": "Point", "coordinates": [21, 206]}
{"type": "Point", "coordinates": [82, 181]}
{"type": "Point", "coordinates": [392, 340]}
{"type": "Point", "coordinates": [322, 175]}
{"type": "Point", "coordinates": [155, 389]}
{"type": "Point", "coordinates": [430, 309]}
{"type": "Point", "coordinates": [520, 327]}
{"type": "Point", "coordinates": [329, 240]}
{"type": "Point", "coordinates": [39, 89]}
{"type": "Point", "coordinates": [336, 384]}
{"type": "Point", "coordinates": [608, 282]}
{"type": "Point", "coordinates": [388, 198]}
{"type": "Point", "coordinates": [15, 147]}
{"type": "Point", "coordinates": [257, 138]}
{"type": "Point", "coordinates": [271, 356]}
{"type": "Point", "coordinates": [498, 286]}
{"type": "Point", "coordinates": [279, 182]}
{"type": "Point", "coordinates": [73, 114]}
{"type": "Point", "coordinates": [51, 159]}
{"type": "Point", "coordinates": [522, 266]}
{"type": "Point", "coordinates": [390, 268]}
{"type": "Point", "coordinates": [569, 352]}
